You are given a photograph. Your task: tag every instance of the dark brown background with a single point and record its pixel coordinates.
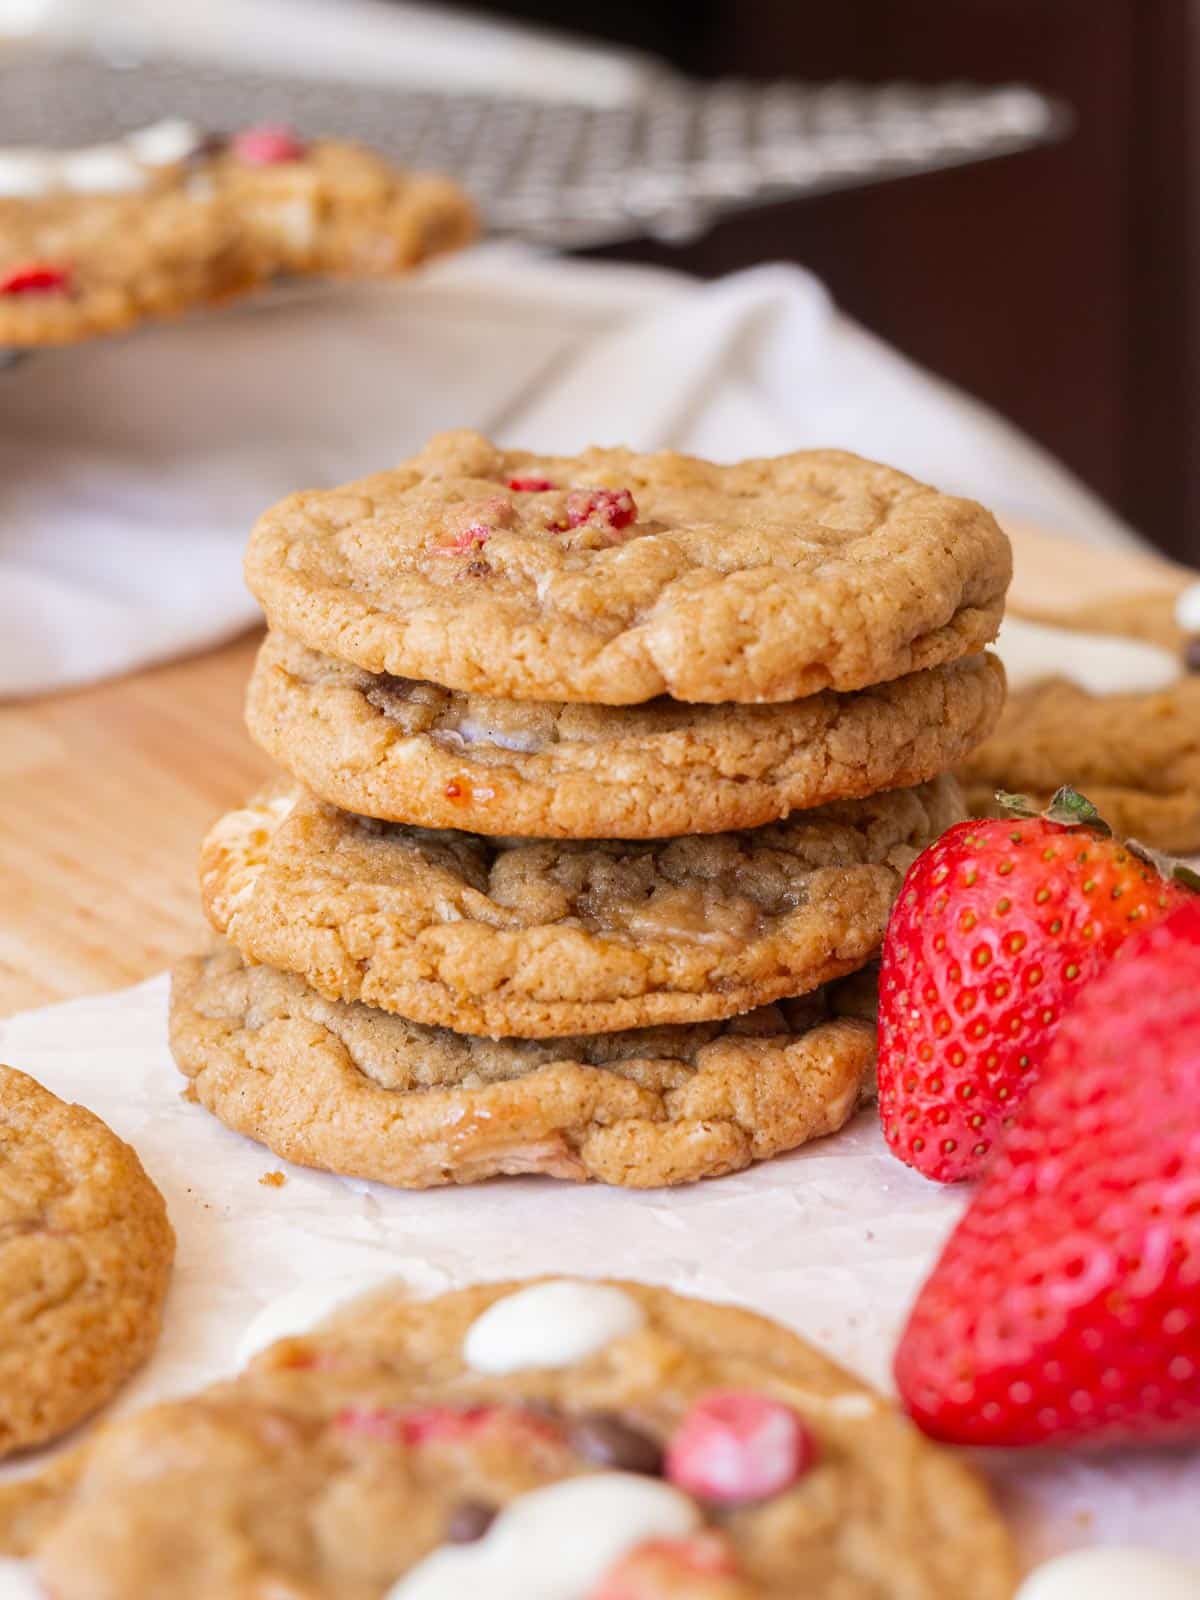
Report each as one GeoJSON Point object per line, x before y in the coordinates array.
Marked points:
{"type": "Point", "coordinates": [1061, 285]}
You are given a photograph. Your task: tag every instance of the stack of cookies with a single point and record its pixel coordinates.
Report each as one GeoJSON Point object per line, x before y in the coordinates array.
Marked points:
{"type": "Point", "coordinates": [604, 772]}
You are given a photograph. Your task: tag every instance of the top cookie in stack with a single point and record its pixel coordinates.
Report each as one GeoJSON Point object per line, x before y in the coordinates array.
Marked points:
{"type": "Point", "coordinates": [617, 759]}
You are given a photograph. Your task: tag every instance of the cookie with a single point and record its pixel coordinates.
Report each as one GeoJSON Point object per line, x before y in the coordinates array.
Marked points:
{"type": "Point", "coordinates": [94, 240]}
{"type": "Point", "coordinates": [542, 938]}
{"type": "Point", "coordinates": [85, 1258]}
{"type": "Point", "coordinates": [612, 577]}
{"type": "Point", "coordinates": [1113, 715]}
{"type": "Point", "coordinates": [560, 1437]}
{"type": "Point", "coordinates": [369, 1095]}
{"type": "Point", "coordinates": [406, 751]}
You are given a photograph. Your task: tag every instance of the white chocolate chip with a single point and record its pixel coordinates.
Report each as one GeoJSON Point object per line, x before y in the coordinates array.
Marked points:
{"type": "Point", "coordinates": [304, 1308]}
{"type": "Point", "coordinates": [104, 169]}
{"type": "Point", "coordinates": [17, 1581]}
{"type": "Point", "coordinates": [1113, 1573]}
{"type": "Point", "coordinates": [555, 1543]}
{"type": "Point", "coordinates": [550, 1324]}
{"type": "Point", "coordinates": [26, 173]}
{"type": "Point", "coordinates": [1100, 663]}
{"type": "Point", "coordinates": [1187, 609]}
{"type": "Point", "coordinates": [294, 220]}
{"type": "Point", "coordinates": [474, 730]}
{"type": "Point", "coordinates": [166, 142]}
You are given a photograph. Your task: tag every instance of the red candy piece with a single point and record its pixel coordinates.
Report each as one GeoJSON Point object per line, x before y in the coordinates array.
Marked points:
{"type": "Point", "coordinates": [735, 1446]}
{"type": "Point", "coordinates": [417, 1425]}
{"type": "Point", "coordinates": [413, 1426]}
{"type": "Point", "coordinates": [266, 145]}
{"type": "Point", "coordinates": [649, 1568]}
{"type": "Point", "coordinates": [35, 277]}
{"type": "Point", "coordinates": [616, 508]}
{"type": "Point", "coordinates": [531, 485]}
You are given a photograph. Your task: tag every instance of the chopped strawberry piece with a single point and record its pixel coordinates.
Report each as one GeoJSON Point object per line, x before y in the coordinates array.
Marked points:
{"type": "Point", "coordinates": [531, 485]}
{"type": "Point", "coordinates": [472, 538]}
{"type": "Point", "coordinates": [268, 144]}
{"type": "Point", "coordinates": [736, 1446]}
{"type": "Point", "coordinates": [614, 508]}
{"type": "Point", "coordinates": [35, 277]}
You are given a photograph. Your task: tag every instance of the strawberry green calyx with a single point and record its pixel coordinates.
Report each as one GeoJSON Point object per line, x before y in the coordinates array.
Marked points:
{"type": "Point", "coordinates": [1070, 809]}
{"type": "Point", "coordinates": [1067, 807]}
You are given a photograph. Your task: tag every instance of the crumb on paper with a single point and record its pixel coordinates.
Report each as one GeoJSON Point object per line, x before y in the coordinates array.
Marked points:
{"type": "Point", "coordinates": [272, 1180]}
{"type": "Point", "coordinates": [1085, 1518]}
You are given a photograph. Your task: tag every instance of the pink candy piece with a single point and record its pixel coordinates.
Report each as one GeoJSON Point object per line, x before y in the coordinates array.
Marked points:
{"type": "Point", "coordinates": [644, 1573]}
{"type": "Point", "coordinates": [616, 508]}
{"type": "Point", "coordinates": [266, 145]}
{"type": "Point", "coordinates": [735, 1446]}
{"type": "Point", "coordinates": [531, 485]}
{"type": "Point", "coordinates": [35, 277]}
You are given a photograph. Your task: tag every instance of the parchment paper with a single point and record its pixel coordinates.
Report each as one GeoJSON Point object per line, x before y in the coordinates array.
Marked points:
{"type": "Point", "coordinates": [833, 1241]}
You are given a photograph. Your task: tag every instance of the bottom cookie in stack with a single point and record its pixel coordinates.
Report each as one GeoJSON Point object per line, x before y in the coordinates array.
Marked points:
{"type": "Point", "coordinates": [640, 997]}
{"type": "Point", "coordinates": [355, 1090]}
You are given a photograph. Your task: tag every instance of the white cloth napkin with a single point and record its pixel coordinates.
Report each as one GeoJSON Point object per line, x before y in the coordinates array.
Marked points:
{"type": "Point", "coordinates": [832, 1240]}
{"type": "Point", "coordinates": [131, 470]}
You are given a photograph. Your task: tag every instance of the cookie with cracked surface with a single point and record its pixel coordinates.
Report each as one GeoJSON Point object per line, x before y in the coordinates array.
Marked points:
{"type": "Point", "coordinates": [614, 578]}
{"type": "Point", "coordinates": [1116, 714]}
{"type": "Point", "coordinates": [541, 938]}
{"type": "Point", "coordinates": [370, 1095]}
{"type": "Point", "coordinates": [85, 1258]}
{"type": "Point", "coordinates": [561, 1436]}
{"type": "Point", "coordinates": [414, 752]}
{"type": "Point", "coordinates": [94, 240]}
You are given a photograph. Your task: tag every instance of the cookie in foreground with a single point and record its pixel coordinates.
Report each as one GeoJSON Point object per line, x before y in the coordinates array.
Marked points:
{"type": "Point", "coordinates": [368, 1095]}
{"type": "Point", "coordinates": [579, 1438]}
{"type": "Point", "coordinates": [85, 1260]}
{"type": "Point", "coordinates": [613, 577]}
{"type": "Point", "coordinates": [407, 751]}
{"type": "Point", "coordinates": [543, 938]}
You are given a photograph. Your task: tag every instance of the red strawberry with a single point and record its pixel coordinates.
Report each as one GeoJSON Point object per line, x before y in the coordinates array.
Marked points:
{"type": "Point", "coordinates": [999, 924]}
{"type": "Point", "coordinates": [1066, 1305]}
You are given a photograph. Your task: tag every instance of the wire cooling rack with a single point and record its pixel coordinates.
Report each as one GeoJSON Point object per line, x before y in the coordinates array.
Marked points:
{"type": "Point", "coordinates": [666, 165]}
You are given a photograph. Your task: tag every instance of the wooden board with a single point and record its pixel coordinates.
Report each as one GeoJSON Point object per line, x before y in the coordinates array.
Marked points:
{"type": "Point", "coordinates": [105, 794]}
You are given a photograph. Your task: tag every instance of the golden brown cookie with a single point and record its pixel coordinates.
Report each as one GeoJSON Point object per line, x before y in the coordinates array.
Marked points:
{"type": "Point", "coordinates": [541, 938]}
{"type": "Point", "coordinates": [1135, 756]}
{"type": "Point", "coordinates": [85, 1258]}
{"type": "Point", "coordinates": [571, 1437]}
{"type": "Point", "coordinates": [414, 752]}
{"type": "Point", "coordinates": [1135, 752]}
{"type": "Point", "coordinates": [612, 577]}
{"type": "Point", "coordinates": [94, 240]}
{"type": "Point", "coordinates": [370, 1095]}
